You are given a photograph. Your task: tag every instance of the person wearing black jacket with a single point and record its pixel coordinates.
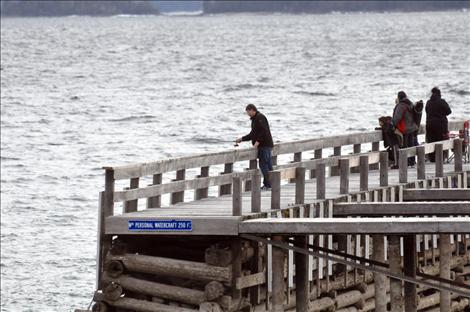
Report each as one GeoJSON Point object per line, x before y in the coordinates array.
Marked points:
{"type": "Point", "coordinates": [260, 137]}
{"type": "Point", "coordinates": [437, 111]}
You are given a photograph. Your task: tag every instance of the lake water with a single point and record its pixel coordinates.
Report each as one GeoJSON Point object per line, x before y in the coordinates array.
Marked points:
{"type": "Point", "coordinates": [79, 93]}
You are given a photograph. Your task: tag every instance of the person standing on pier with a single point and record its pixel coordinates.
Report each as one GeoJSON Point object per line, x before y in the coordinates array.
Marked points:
{"type": "Point", "coordinates": [404, 122]}
{"type": "Point", "coordinates": [261, 139]}
{"type": "Point", "coordinates": [437, 111]}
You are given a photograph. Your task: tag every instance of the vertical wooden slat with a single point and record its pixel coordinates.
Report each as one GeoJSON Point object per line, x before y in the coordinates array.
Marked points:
{"type": "Point", "coordinates": [403, 166]}
{"type": "Point", "coordinates": [375, 148]}
{"type": "Point", "coordinates": [156, 201]}
{"type": "Point", "coordinates": [364, 172]}
{"type": "Point", "coordinates": [256, 192]}
{"type": "Point", "coordinates": [227, 188]}
{"type": "Point", "coordinates": [301, 276]}
{"type": "Point", "coordinates": [380, 281]}
{"type": "Point", "coordinates": [320, 181]}
{"type": "Point", "coordinates": [253, 165]}
{"type": "Point", "coordinates": [237, 196]}
{"type": "Point", "coordinates": [317, 155]}
{"type": "Point", "coordinates": [275, 179]}
{"type": "Point", "coordinates": [394, 260]}
{"type": "Point", "coordinates": [278, 283]}
{"type": "Point", "coordinates": [131, 205]}
{"type": "Point", "coordinates": [178, 197]}
{"type": "Point", "coordinates": [344, 176]}
{"type": "Point", "coordinates": [421, 165]}
{"type": "Point", "coordinates": [410, 265]}
{"type": "Point", "coordinates": [439, 160]}
{"type": "Point", "coordinates": [297, 158]}
{"type": "Point", "coordinates": [445, 257]}
{"type": "Point", "coordinates": [202, 192]}
{"type": "Point", "coordinates": [458, 155]}
{"type": "Point", "coordinates": [356, 150]}
{"type": "Point", "coordinates": [383, 168]}
{"type": "Point", "coordinates": [299, 185]}
{"type": "Point", "coordinates": [335, 169]}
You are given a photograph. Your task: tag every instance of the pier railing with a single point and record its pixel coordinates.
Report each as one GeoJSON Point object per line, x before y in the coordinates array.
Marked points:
{"type": "Point", "coordinates": [225, 181]}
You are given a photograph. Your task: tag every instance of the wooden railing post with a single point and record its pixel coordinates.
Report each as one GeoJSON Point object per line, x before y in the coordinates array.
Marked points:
{"type": "Point", "coordinates": [394, 260]}
{"type": "Point", "coordinates": [356, 150]}
{"type": "Point", "coordinates": [299, 185]}
{"type": "Point", "coordinates": [421, 165]}
{"type": "Point", "coordinates": [202, 192]}
{"type": "Point", "coordinates": [106, 210]}
{"type": "Point", "coordinates": [317, 155]}
{"type": "Point", "coordinates": [275, 179]}
{"type": "Point", "coordinates": [256, 192]}
{"type": "Point", "coordinates": [410, 264]}
{"type": "Point", "coordinates": [335, 169]}
{"type": "Point", "coordinates": [131, 205]}
{"type": "Point", "coordinates": [178, 197]}
{"type": "Point", "coordinates": [458, 155]}
{"type": "Point", "coordinates": [344, 176]}
{"type": "Point", "coordinates": [156, 201]}
{"type": "Point", "coordinates": [248, 183]}
{"type": "Point", "coordinates": [439, 150]}
{"type": "Point", "coordinates": [403, 166]}
{"type": "Point", "coordinates": [375, 148]}
{"type": "Point", "coordinates": [297, 158]}
{"type": "Point", "coordinates": [383, 168]}
{"type": "Point", "coordinates": [227, 188]}
{"type": "Point", "coordinates": [445, 257]}
{"type": "Point", "coordinates": [320, 181]}
{"type": "Point", "coordinates": [237, 196]}
{"type": "Point", "coordinates": [364, 172]}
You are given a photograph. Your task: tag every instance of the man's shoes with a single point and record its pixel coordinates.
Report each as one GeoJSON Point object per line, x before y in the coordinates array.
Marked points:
{"type": "Point", "coordinates": [265, 188]}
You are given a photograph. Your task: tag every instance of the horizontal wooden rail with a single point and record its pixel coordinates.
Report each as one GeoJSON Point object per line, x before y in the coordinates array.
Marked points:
{"type": "Point", "coordinates": [402, 209]}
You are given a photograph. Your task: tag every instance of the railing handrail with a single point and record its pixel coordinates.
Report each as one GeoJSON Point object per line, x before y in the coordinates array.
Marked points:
{"type": "Point", "coordinates": [223, 157]}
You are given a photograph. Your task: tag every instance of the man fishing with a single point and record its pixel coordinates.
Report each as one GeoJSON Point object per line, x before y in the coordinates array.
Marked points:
{"type": "Point", "coordinates": [261, 139]}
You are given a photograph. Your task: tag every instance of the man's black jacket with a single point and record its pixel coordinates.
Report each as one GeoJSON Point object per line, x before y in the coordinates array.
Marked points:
{"type": "Point", "coordinates": [259, 131]}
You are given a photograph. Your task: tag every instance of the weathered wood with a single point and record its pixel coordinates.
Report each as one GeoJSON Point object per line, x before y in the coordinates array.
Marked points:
{"type": "Point", "coordinates": [317, 155]}
{"type": "Point", "coordinates": [252, 166]}
{"type": "Point", "coordinates": [176, 293]}
{"type": "Point", "coordinates": [421, 165]}
{"type": "Point", "coordinates": [445, 260]}
{"type": "Point", "coordinates": [375, 148]}
{"type": "Point", "coordinates": [237, 196]}
{"type": "Point", "coordinates": [436, 194]}
{"type": "Point", "coordinates": [145, 306]}
{"type": "Point", "coordinates": [226, 188]}
{"type": "Point", "coordinates": [278, 283]}
{"type": "Point", "coordinates": [236, 249]}
{"type": "Point", "coordinates": [401, 208]}
{"type": "Point", "coordinates": [356, 150]}
{"type": "Point", "coordinates": [131, 206]}
{"type": "Point", "coordinates": [256, 192]}
{"type": "Point", "coordinates": [410, 264]}
{"type": "Point", "coordinates": [439, 150]}
{"type": "Point", "coordinates": [394, 260]}
{"type": "Point", "coordinates": [380, 281]}
{"type": "Point", "coordinates": [257, 265]}
{"type": "Point", "coordinates": [213, 290]}
{"type": "Point", "coordinates": [458, 155]}
{"type": "Point", "coordinates": [403, 166]}
{"type": "Point", "coordinates": [344, 176]}
{"type": "Point", "coordinates": [383, 168]}
{"type": "Point", "coordinates": [275, 179]}
{"type": "Point", "coordinates": [156, 201]}
{"type": "Point", "coordinates": [202, 192]}
{"type": "Point", "coordinates": [301, 275]}
{"type": "Point", "coordinates": [300, 185]}
{"type": "Point", "coordinates": [178, 197]}
{"type": "Point", "coordinates": [364, 172]}
{"type": "Point", "coordinates": [320, 181]}
{"type": "Point", "coordinates": [174, 267]}
{"type": "Point", "coordinates": [106, 210]}
{"type": "Point", "coordinates": [335, 169]}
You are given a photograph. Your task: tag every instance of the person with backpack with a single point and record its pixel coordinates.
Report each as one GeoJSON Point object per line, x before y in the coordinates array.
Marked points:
{"type": "Point", "coordinates": [404, 122]}
{"type": "Point", "coordinates": [437, 111]}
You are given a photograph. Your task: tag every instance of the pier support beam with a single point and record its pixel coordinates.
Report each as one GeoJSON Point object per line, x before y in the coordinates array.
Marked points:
{"type": "Point", "coordinates": [445, 258]}
{"type": "Point", "coordinates": [301, 276]}
{"type": "Point", "coordinates": [278, 285]}
{"type": "Point", "coordinates": [380, 281]}
{"type": "Point", "coordinates": [394, 260]}
{"type": "Point", "coordinates": [410, 264]}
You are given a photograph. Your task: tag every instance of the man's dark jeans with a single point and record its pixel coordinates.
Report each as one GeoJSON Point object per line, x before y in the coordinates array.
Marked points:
{"type": "Point", "coordinates": [265, 163]}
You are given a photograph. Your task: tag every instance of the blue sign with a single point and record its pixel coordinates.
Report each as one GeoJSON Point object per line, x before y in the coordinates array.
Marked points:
{"type": "Point", "coordinates": [160, 225]}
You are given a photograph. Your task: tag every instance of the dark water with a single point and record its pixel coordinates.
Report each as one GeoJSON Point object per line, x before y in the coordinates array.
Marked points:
{"type": "Point", "coordinates": [80, 93]}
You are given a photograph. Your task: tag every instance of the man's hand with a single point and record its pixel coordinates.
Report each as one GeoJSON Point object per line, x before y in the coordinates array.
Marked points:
{"type": "Point", "coordinates": [256, 144]}
{"type": "Point", "coordinates": [238, 140]}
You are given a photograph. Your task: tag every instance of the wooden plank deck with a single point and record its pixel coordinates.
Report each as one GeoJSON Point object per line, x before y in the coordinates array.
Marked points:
{"type": "Point", "coordinates": [213, 216]}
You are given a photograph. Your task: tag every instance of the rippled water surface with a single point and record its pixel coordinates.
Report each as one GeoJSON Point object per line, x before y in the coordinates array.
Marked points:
{"type": "Point", "coordinates": [79, 93]}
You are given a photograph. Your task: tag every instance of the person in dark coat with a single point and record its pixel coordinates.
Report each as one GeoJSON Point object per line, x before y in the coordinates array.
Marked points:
{"type": "Point", "coordinates": [403, 121]}
{"type": "Point", "coordinates": [437, 111]}
{"type": "Point", "coordinates": [260, 137]}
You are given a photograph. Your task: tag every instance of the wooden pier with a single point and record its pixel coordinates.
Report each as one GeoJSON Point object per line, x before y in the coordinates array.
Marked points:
{"type": "Point", "coordinates": [338, 231]}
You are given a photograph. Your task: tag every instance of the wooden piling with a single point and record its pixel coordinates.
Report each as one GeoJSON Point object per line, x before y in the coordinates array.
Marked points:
{"type": "Point", "coordinates": [421, 165]}
{"type": "Point", "coordinates": [344, 176]}
{"type": "Point", "coordinates": [278, 283]}
{"type": "Point", "coordinates": [394, 260]}
{"type": "Point", "coordinates": [410, 265]}
{"type": "Point", "coordinates": [439, 152]}
{"type": "Point", "coordinates": [299, 185]}
{"type": "Point", "coordinates": [458, 155]}
{"type": "Point", "coordinates": [383, 168]}
{"type": "Point", "coordinates": [301, 276]}
{"type": "Point", "coordinates": [445, 258]}
{"type": "Point", "coordinates": [364, 172]}
{"type": "Point", "coordinates": [380, 281]}
{"type": "Point", "coordinates": [320, 181]}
